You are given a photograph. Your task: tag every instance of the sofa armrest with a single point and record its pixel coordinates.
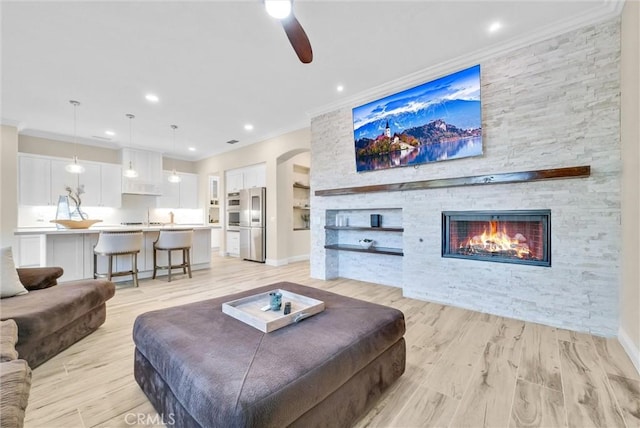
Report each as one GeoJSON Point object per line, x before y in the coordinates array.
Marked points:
{"type": "Point", "coordinates": [40, 277]}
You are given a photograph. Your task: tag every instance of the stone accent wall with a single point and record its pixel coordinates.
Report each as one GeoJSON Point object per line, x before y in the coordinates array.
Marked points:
{"type": "Point", "coordinates": [550, 105]}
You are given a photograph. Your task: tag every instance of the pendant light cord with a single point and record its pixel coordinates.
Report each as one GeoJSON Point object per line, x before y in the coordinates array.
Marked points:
{"type": "Point", "coordinates": [174, 127]}
{"type": "Point", "coordinates": [75, 129]}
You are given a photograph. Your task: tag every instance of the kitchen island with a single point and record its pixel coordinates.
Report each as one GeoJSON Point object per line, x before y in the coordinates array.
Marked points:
{"type": "Point", "coordinates": [72, 249]}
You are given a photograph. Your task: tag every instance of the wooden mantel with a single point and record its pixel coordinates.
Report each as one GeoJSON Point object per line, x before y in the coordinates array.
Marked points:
{"type": "Point", "coordinates": [477, 180]}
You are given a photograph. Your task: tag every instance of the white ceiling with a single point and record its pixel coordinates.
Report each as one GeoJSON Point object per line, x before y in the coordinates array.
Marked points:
{"type": "Point", "coordinates": [217, 65]}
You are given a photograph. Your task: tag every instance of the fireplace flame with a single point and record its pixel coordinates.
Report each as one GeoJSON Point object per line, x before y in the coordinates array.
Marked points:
{"type": "Point", "coordinates": [493, 241]}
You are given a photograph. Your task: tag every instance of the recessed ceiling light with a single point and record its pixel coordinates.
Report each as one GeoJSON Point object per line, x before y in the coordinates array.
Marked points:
{"type": "Point", "coordinates": [192, 149]}
{"type": "Point", "coordinates": [152, 98]}
{"type": "Point", "coordinates": [110, 133]}
{"type": "Point", "coordinates": [495, 27]}
{"type": "Point", "coordinates": [248, 127]}
{"type": "Point", "coordinates": [340, 88]}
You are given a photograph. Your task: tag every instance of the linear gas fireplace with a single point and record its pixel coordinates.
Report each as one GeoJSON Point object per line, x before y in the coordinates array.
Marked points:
{"type": "Point", "coordinates": [498, 236]}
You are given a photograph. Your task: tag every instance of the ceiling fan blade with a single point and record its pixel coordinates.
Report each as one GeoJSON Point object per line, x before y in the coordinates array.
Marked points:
{"type": "Point", "coordinates": [298, 38]}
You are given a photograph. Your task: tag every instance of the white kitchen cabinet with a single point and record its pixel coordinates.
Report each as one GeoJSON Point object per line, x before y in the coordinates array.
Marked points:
{"type": "Point", "coordinates": [111, 185]}
{"type": "Point", "coordinates": [233, 243]}
{"type": "Point", "coordinates": [215, 238]}
{"type": "Point", "coordinates": [189, 191]}
{"type": "Point", "coordinates": [200, 252]}
{"type": "Point", "coordinates": [60, 179]}
{"type": "Point", "coordinates": [148, 165]}
{"type": "Point", "coordinates": [30, 251]}
{"type": "Point", "coordinates": [101, 183]}
{"type": "Point", "coordinates": [41, 180]}
{"type": "Point", "coordinates": [66, 251]}
{"type": "Point", "coordinates": [255, 176]}
{"type": "Point", "coordinates": [201, 247]}
{"type": "Point", "coordinates": [170, 197]}
{"type": "Point", "coordinates": [34, 176]}
{"type": "Point", "coordinates": [246, 178]}
{"type": "Point", "coordinates": [179, 195]}
{"type": "Point", "coordinates": [92, 182]}
{"type": "Point", "coordinates": [234, 181]}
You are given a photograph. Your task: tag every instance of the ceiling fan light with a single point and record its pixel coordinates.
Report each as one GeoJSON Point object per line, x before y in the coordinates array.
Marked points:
{"type": "Point", "coordinates": [74, 167]}
{"type": "Point", "coordinates": [279, 9]}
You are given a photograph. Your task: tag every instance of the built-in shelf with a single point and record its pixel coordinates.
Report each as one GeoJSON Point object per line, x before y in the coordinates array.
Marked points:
{"type": "Point", "coordinates": [372, 250]}
{"type": "Point", "coordinates": [373, 229]}
{"type": "Point", "coordinates": [301, 197]}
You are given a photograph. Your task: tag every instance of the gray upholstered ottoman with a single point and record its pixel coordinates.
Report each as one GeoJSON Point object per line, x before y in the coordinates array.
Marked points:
{"type": "Point", "coordinates": [202, 368]}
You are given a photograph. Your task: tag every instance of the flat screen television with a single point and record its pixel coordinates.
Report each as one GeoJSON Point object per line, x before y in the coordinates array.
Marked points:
{"type": "Point", "coordinates": [435, 121]}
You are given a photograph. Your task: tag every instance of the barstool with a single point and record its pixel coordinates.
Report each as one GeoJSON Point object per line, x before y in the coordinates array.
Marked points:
{"type": "Point", "coordinates": [117, 244]}
{"type": "Point", "coordinates": [170, 240]}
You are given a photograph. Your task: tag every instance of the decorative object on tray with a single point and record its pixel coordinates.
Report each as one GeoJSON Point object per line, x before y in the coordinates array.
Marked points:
{"type": "Point", "coordinates": [75, 219]}
{"type": "Point", "coordinates": [257, 310]}
{"type": "Point", "coordinates": [305, 218]}
{"type": "Point", "coordinates": [76, 224]}
{"type": "Point", "coordinates": [75, 197]}
{"type": "Point", "coordinates": [366, 243]}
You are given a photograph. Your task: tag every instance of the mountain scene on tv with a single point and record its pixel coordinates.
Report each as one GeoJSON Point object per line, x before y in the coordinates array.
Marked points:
{"type": "Point", "coordinates": [438, 120]}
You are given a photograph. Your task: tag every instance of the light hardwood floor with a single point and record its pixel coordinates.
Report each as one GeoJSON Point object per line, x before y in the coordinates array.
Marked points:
{"type": "Point", "coordinates": [464, 368]}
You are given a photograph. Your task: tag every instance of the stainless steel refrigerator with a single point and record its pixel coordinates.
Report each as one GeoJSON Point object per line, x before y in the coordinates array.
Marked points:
{"type": "Point", "coordinates": [253, 223]}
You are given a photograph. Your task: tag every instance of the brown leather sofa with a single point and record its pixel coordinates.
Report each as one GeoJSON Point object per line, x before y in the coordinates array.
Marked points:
{"type": "Point", "coordinates": [52, 317]}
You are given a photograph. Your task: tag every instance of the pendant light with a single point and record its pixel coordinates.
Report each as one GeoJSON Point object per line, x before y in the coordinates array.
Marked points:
{"type": "Point", "coordinates": [174, 177]}
{"type": "Point", "coordinates": [74, 167]}
{"type": "Point", "coordinates": [130, 173]}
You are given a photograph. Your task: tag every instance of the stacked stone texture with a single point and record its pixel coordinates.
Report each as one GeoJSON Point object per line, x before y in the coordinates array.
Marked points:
{"type": "Point", "coordinates": [550, 105]}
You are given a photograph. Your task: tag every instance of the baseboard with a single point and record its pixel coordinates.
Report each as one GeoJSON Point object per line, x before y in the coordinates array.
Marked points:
{"type": "Point", "coordinates": [283, 262]}
{"type": "Point", "coordinates": [630, 348]}
{"type": "Point", "coordinates": [301, 258]}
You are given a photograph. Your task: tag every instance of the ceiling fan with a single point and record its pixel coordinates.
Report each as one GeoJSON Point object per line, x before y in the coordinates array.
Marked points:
{"type": "Point", "coordinates": [282, 10]}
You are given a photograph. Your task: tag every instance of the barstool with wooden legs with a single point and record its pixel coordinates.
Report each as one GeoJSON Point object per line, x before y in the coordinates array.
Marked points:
{"type": "Point", "coordinates": [170, 240]}
{"type": "Point", "coordinates": [112, 244]}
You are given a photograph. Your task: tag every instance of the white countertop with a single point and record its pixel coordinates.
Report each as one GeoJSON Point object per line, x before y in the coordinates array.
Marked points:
{"type": "Point", "coordinates": [51, 230]}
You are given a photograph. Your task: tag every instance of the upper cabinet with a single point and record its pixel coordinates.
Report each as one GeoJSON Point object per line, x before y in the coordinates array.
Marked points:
{"type": "Point", "coordinates": [41, 180]}
{"type": "Point", "coordinates": [179, 195]}
{"type": "Point", "coordinates": [246, 178]}
{"type": "Point", "coordinates": [34, 181]}
{"type": "Point", "coordinates": [148, 165]}
{"type": "Point", "coordinates": [234, 181]}
{"type": "Point", "coordinates": [110, 185]}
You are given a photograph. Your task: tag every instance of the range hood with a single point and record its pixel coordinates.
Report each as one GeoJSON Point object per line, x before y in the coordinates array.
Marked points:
{"type": "Point", "coordinates": [148, 165]}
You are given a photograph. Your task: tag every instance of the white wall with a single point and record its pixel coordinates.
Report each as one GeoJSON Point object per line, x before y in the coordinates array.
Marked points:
{"type": "Point", "coordinates": [553, 104]}
{"type": "Point", "coordinates": [629, 333]}
{"type": "Point", "coordinates": [8, 184]}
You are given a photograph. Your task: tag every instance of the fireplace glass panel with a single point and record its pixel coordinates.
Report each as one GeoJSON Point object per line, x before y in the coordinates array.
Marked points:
{"type": "Point", "coordinates": [498, 236]}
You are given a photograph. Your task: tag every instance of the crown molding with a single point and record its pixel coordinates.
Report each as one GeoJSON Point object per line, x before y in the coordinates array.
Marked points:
{"type": "Point", "coordinates": [113, 145]}
{"type": "Point", "coordinates": [609, 9]}
{"type": "Point", "coordinates": [13, 123]}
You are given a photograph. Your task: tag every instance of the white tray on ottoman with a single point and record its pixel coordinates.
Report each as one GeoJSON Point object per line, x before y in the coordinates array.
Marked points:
{"type": "Point", "coordinates": [249, 310]}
